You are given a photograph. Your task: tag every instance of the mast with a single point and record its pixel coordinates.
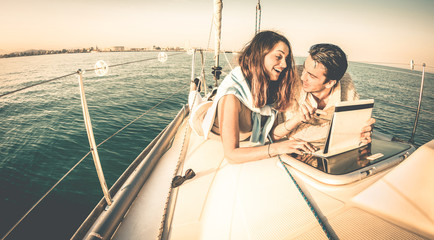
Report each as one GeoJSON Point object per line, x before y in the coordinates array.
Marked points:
{"type": "Point", "coordinates": [218, 5]}
{"type": "Point", "coordinates": [258, 20]}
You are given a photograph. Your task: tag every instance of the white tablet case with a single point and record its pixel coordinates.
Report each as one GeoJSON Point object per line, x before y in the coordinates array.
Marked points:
{"type": "Point", "coordinates": [348, 120]}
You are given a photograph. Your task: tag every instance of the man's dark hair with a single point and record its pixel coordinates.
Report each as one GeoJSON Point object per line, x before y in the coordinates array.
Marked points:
{"type": "Point", "coordinates": [333, 59]}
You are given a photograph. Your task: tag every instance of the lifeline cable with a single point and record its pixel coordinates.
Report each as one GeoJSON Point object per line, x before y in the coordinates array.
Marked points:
{"type": "Point", "coordinates": [42, 198]}
{"type": "Point", "coordinates": [402, 105]}
{"type": "Point", "coordinates": [70, 74]}
{"type": "Point", "coordinates": [142, 60]}
{"type": "Point", "coordinates": [79, 162]}
{"type": "Point", "coordinates": [311, 207]}
{"type": "Point", "coordinates": [36, 84]}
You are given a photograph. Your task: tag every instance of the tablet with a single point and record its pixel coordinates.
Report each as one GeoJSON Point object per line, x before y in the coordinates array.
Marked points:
{"type": "Point", "coordinates": [346, 125]}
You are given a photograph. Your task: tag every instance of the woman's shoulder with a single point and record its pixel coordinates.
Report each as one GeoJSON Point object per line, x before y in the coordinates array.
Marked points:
{"type": "Point", "coordinates": [229, 100]}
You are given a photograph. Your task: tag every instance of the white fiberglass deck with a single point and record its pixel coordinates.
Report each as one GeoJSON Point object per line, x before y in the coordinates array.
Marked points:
{"type": "Point", "coordinates": [258, 200]}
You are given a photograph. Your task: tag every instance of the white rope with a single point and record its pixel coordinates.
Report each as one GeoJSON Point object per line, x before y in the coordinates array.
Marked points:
{"type": "Point", "coordinates": [227, 60]}
{"type": "Point", "coordinates": [202, 73]}
{"type": "Point", "coordinates": [181, 158]}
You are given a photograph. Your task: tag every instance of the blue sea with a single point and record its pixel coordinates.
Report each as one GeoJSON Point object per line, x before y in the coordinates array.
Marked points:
{"type": "Point", "coordinates": [42, 133]}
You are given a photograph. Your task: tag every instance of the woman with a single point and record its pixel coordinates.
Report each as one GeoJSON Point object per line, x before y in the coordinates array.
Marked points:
{"type": "Point", "coordinates": [248, 99]}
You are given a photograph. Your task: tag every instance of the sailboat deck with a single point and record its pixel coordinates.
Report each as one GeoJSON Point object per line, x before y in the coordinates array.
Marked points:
{"type": "Point", "coordinates": [144, 217]}
{"type": "Point", "coordinates": [254, 200]}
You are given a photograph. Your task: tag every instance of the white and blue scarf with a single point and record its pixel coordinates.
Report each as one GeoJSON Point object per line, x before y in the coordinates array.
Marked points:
{"type": "Point", "coordinates": [236, 84]}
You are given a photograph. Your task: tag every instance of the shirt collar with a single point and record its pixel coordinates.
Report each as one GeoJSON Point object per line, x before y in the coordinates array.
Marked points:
{"type": "Point", "coordinates": [335, 96]}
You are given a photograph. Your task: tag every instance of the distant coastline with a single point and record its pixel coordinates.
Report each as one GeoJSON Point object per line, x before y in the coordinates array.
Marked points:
{"type": "Point", "coordinates": [34, 52]}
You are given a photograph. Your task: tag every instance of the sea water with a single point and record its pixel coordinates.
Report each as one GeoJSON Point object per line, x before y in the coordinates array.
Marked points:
{"type": "Point", "coordinates": [42, 133]}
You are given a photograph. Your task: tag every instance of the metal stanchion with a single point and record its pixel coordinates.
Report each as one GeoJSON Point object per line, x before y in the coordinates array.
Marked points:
{"type": "Point", "coordinates": [93, 147]}
{"type": "Point", "coordinates": [418, 106]}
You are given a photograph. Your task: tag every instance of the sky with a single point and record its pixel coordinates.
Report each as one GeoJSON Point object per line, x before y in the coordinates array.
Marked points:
{"type": "Point", "coordinates": [388, 31]}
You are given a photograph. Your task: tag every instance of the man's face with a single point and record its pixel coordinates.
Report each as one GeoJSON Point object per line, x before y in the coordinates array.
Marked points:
{"type": "Point", "coordinates": [313, 76]}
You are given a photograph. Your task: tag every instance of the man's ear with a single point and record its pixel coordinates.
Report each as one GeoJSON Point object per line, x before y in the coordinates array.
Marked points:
{"type": "Point", "coordinates": [330, 83]}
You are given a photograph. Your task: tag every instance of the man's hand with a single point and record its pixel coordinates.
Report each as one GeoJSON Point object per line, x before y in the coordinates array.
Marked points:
{"type": "Point", "coordinates": [366, 134]}
{"type": "Point", "coordinates": [307, 112]}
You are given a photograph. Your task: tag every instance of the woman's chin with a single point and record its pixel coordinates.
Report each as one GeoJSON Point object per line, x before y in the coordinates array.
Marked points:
{"type": "Point", "coordinates": [274, 78]}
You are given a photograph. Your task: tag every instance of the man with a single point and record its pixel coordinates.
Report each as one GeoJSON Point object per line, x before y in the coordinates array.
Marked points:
{"type": "Point", "coordinates": [323, 84]}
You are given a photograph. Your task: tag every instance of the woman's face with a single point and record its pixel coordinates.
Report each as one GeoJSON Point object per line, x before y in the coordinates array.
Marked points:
{"type": "Point", "coordinates": [275, 60]}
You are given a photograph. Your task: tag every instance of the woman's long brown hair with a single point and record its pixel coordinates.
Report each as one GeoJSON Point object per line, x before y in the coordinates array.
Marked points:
{"type": "Point", "coordinates": [263, 90]}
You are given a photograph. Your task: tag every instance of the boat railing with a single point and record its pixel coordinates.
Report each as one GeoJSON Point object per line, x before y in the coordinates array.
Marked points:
{"type": "Point", "coordinates": [109, 217]}
{"type": "Point", "coordinates": [101, 68]}
{"type": "Point", "coordinates": [419, 102]}
{"type": "Point", "coordinates": [418, 109]}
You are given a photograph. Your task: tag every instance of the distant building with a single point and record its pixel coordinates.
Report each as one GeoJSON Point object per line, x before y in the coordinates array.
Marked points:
{"type": "Point", "coordinates": [92, 50]}
{"type": "Point", "coordinates": [117, 48]}
{"type": "Point", "coordinates": [137, 49]}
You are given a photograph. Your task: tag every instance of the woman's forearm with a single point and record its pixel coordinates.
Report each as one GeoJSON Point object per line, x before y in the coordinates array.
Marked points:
{"type": "Point", "coordinates": [284, 128]}
{"type": "Point", "coordinates": [247, 154]}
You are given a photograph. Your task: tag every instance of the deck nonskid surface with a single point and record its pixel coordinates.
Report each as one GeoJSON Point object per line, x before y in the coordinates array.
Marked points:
{"type": "Point", "coordinates": [256, 200]}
